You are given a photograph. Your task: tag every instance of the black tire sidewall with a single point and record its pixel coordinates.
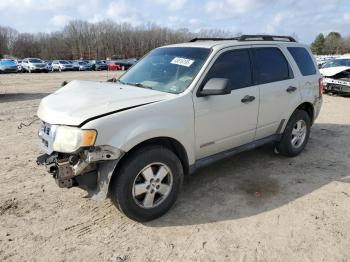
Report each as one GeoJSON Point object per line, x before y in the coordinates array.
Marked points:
{"type": "Point", "coordinates": [285, 146]}
{"type": "Point", "coordinates": [121, 190]}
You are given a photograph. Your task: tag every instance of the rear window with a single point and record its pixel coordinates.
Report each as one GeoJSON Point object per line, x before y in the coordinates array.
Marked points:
{"type": "Point", "coordinates": [271, 65]}
{"type": "Point", "coordinates": [303, 59]}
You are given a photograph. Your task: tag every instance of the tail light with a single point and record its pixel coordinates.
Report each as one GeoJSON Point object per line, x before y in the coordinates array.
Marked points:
{"type": "Point", "coordinates": [320, 87]}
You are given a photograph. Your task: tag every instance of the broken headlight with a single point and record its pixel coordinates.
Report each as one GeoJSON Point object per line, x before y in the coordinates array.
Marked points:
{"type": "Point", "coordinates": [69, 139]}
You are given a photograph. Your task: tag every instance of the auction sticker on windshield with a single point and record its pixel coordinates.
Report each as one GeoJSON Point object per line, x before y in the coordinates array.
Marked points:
{"type": "Point", "coordinates": [182, 61]}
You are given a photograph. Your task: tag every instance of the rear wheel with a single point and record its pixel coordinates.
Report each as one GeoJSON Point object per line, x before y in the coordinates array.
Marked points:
{"type": "Point", "coordinates": [296, 134]}
{"type": "Point", "coordinates": [148, 183]}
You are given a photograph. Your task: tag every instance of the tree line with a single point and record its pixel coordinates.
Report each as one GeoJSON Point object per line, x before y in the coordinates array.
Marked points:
{"type": "Point", "coordinates": [332, 44]}
{"type": "Point", "coordinates": [81, 39]}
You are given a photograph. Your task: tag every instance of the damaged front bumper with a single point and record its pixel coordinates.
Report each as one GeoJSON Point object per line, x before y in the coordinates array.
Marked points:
{"type": "Point", "coordinates": [341, 86]}
{"type": "Point", "coordinates": [90, 169]}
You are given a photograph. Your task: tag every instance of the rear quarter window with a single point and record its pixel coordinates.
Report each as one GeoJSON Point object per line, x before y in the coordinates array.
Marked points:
{"type": "Point", "coordinates": [303, 59]}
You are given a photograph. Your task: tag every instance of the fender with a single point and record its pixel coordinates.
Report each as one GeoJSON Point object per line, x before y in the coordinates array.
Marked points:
{"type": "Point", "coordinates": [173, 118]}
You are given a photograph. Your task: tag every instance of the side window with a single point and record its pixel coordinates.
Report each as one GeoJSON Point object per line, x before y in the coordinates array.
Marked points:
{"type": "Point", "coordinates": [234, 65]}
{"type": "Point", "coordinates": [271, 65]}
{"type": "Point", "coordinates": [303, 59]}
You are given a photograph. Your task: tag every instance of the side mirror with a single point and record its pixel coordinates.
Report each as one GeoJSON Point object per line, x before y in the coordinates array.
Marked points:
{"type": "Point", "coordinates": [216, 87]}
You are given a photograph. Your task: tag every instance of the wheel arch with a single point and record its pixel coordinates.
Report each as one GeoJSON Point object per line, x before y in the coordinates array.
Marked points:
{"type": "Point", "coordinates": [308, 108]}
{"type": "Point", "coordinates": [169, 142]}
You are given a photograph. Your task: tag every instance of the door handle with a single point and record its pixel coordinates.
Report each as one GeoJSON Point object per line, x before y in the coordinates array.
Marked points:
{"type": "Point", "coordinates": [291, 89]}
{"type": "Point", "coordinates": [248, 99]}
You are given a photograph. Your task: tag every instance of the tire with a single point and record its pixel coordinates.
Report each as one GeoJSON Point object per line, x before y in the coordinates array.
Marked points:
{"type": "Point", "coordinates": [295, 135]}
{"type": "Point", "coordinates": [147, 160]}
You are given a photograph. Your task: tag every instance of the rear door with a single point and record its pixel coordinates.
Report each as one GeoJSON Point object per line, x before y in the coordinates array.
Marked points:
{"type": "Point", "coordinates": [223, 122]}
{"type": "Point", "coordinates": [309, 78]}
{"type": "Point", "coordinates": [279, 90]}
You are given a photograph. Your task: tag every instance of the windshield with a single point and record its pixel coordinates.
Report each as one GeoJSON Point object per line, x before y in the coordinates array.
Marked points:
{"type": "Point", "coordinates": [63, 62]}
{"type": "Point", "coordinates": [169, 70]}
{"type": "Point", "coordinates": [337, 62]}
{"type": "Point", "coordinates": [35, 61]}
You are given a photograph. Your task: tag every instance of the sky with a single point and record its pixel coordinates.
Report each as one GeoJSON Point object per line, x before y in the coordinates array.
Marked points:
{"type": "Point", "coordinates": [304, 18]}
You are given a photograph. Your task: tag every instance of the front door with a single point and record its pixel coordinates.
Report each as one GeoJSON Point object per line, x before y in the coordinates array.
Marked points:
{"type": "Point", "coordinates": [223, 122]}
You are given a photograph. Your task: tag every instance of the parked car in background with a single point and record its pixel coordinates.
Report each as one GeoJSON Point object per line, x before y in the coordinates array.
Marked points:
{"type": "Point", "coordinates": [125, 64]}
{"type": "Point", "coordinates": [82, 66]}
{"type": "Point", "coordinates": [113, 66]}
{"type": "Point", "coordinates": [19, 65]}
{"type": "Point", "coordinates": [34, 65]}
{"type": "Point", "coordinates": [75, 67]}
{"type": "Point", "coordinates": [341, 61]}
{"type": "Point", "coordinates": [61, 65]}
{"type": "Point", "coordinates": [49, 65]}
{"type": "Point", "coordinates": [98, 65]}
{"type": "Point", "coordinates": [336, 80]}
{"type": "Point", "coordinates": [8, 66]}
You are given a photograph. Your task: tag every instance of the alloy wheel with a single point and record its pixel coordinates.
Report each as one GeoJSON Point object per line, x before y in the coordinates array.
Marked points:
{"type": "Point", "coordinates": [152, 185]}
{"type": "Point", "coordinates": [299, 132]}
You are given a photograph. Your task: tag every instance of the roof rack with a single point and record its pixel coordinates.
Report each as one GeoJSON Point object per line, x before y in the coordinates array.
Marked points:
{"type": "Point", "coordinates": [213, 39]}
{"type": "Point", "coordinates": [250, 38]}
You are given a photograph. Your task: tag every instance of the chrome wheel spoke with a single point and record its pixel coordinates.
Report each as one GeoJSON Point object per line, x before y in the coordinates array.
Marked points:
{"type": "Point", "coordinates": [163, 189]}
{"type": "Point", "coordinates": [148, 200]}
{"type": "Point", "coordinates": [294, 132]}
{"type": "Point", "coordinates": [140, 189]}
{"type": "Point", "coordinates": [294, 140]}
{"type": "Point", "coordinates": [148, 173]}
{"type": "Point", "coordinates": [162, 172]}
{"type": "Point", "coordinates": [299, 123]}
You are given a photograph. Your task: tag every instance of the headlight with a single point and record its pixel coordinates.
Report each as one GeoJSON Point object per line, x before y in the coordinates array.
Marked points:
{"type": "Point", "coordinates": [69, 139]}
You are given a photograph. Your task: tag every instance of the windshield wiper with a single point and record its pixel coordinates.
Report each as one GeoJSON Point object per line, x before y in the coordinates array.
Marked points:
{"type": "Point", "coordinates": [120, 81]}
{"type": "Point", "coordinates": [139, 85]}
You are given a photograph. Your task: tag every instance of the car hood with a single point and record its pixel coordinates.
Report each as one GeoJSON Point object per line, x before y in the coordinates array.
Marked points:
{"type": "Point", "coordinates": [79, 101]}
{"type": "Point", "coordinates": [332, 71]}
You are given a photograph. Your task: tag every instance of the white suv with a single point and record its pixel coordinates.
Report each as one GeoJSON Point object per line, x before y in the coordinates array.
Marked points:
{"type": "Point", "coordinates": [179, 108]}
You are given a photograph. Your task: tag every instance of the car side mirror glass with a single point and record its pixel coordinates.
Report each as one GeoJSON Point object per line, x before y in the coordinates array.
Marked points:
{"type": "Point", "coordinates": [216, 86]}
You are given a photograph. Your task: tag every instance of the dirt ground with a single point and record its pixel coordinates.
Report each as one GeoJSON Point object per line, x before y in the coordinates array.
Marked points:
{"type": "Point", "coordinates": [255, 206]}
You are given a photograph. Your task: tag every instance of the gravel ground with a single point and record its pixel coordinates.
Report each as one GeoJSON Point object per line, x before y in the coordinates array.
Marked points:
{"type": "Point", "coordinates": [255, 206]}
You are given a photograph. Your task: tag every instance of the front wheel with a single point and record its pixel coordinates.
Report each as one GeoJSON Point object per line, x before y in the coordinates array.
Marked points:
{"type": "Point", "coordinates": [148, 183]}
{"type": "Point", "coordinates": [296, 134]}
